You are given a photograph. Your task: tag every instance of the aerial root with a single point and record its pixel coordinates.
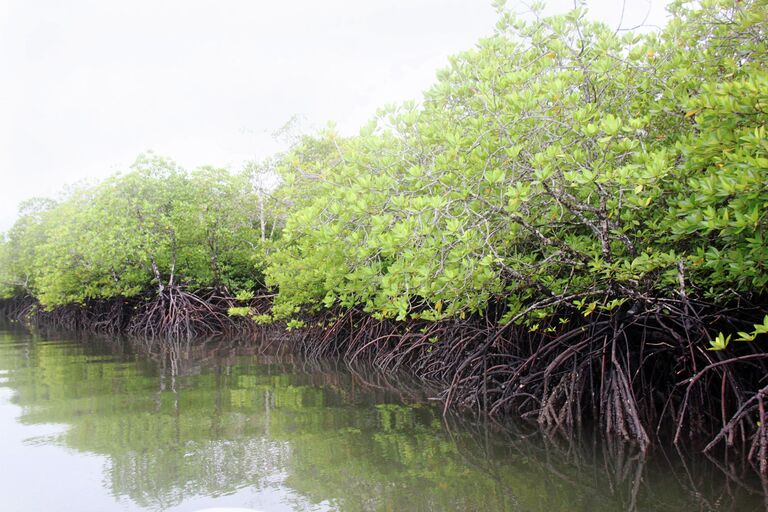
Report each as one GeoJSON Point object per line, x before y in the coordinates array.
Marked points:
{"type": "Point", "coordinates": [176, 313]}
{"type": "Point", "coordinates": [629, 376]}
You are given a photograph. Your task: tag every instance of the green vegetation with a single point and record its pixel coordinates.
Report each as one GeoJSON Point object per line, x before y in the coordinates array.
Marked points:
{"type": "Point", "coordinates": [557, 163]}
{"type": "Point", "coordinates": [149, 228]}
{"type": "Point", "coordinates": [561, 228]}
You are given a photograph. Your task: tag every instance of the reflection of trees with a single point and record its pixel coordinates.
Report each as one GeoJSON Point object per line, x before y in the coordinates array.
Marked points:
{"type": "Point", "coordinates": [167, 437]}
{"type": "Point", "coordinates": [210, 422]}
{"type": "Point", "coordinates": [166, 476]}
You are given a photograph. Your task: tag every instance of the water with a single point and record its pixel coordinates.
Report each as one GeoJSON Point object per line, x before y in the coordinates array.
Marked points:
{"type": "Point", "coordinates": [99, 426]}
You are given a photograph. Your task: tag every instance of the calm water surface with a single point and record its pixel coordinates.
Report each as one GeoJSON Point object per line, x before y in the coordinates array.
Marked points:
{"type": "Point", "coordinates": [98, 426]}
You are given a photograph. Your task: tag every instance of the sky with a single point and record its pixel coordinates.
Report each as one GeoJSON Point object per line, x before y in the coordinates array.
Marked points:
{"type": "Point", "coordinates": [87, 85]}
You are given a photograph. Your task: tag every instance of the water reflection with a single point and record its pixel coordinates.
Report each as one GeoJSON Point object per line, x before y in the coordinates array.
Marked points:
{"type": "Point", "coordinates": [197, 426]}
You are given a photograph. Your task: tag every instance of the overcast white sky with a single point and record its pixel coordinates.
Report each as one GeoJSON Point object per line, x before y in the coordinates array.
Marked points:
{"type": "Point", "coordinates": [89, 84]}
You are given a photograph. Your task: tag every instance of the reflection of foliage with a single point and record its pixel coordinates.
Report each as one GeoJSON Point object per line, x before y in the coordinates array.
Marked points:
{"type": "Point", "coordinates": [408, 462]}
{"type": "Point", "coordinates": [166, 476]}
{"type": "Point", "coordinates": [213, 430]}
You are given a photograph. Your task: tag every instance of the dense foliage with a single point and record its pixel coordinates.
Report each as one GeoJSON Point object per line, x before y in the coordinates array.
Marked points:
{"type": "Point", "coordinates": [559, 162]}
{"type": "Point", "coordinates": [152, 227]}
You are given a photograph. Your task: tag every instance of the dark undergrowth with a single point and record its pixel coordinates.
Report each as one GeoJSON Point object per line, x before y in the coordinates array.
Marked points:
{"type": "Point", "coordinates": [173, 314]}
{"type": "Point", "coordinates": [642, 376]}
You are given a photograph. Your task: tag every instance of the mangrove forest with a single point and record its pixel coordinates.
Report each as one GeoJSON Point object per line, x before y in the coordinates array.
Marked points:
{"type": "Point", "coordinates": [569, 229]}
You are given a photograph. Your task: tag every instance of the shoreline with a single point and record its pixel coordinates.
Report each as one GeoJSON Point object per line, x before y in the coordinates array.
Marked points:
{"type": "Point", "coordinates": [635, 382]}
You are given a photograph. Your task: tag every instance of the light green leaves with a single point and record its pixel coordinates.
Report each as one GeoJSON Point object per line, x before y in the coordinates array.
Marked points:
{"type": "Point", "coordinates": [720, 342]}
{"type": "Point", "coordinates": [547, 155]}
{"type": "Point", "coordinates": [152, 226]}
{"type": "Point", "coordinates": [610, 125]}
{"type": "Point", "coordinates": [758, 330]}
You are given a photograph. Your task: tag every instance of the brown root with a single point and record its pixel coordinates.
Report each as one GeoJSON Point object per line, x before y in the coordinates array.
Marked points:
{"type": "Point", "coordinates": [637, 378]}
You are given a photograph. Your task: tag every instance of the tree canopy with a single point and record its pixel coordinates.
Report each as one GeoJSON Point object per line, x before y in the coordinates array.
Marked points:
{"type": "Point", "coordinates": [559, 163]}
{"type": "Point", "coordinates": [154, 226]}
